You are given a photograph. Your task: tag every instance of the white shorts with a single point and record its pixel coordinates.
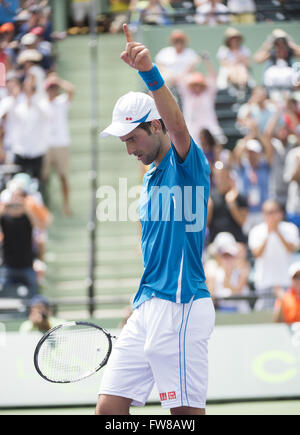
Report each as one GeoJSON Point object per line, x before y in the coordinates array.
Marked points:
{"type": "Point", "coordinates": [165, 344]}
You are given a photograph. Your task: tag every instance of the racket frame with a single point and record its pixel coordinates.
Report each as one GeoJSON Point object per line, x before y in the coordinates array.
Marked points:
{"type": "Point", "coordinates": [47, 335]}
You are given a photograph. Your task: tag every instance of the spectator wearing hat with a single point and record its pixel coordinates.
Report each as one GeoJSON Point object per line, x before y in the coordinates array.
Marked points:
{"type": "Point", "coordinates": [235, 59]}
{"type": "Point", "coordinates": [212, 13]}
{"type": "Point", "coordinates": [29, 60]}
{"type": "Point", "coordinates": [227, 208]}
{"type": "Point", "coordinates": [253, 178]}
{"type": "Point", "coordinates": [228, 274]}
{"type": "Point", "coordinates": [287, 306]}
{"type": "Point", "coordinates": [198, 94]}
{"type": "Point", "coordinates": [292, 177]}
{"type": "Point", "coordinates": [177, 60]}
{"type": "Point", "coordinates": [279, 53]}
{"type": "Point", "coordinates": [273, 244]}
{"type": "Point", "coordinates": [58, 156]}
{"type": "Point", "coordinates": [243, 11]}
{"type": "Point", "coordinates": [40, 318]}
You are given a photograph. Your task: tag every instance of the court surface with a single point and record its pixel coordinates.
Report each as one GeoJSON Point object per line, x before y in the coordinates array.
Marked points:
{"type": "Point", "coordinates": [284, 407]}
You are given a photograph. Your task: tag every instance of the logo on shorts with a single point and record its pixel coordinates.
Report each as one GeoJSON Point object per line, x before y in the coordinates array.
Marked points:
{"type": "Point", "coordinates": [163, 397]}
{"type": "Point", "coordinates": [172, 395]}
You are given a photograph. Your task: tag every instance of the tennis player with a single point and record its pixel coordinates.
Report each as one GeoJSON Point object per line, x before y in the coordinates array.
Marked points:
{"type": "Point", "coordinates": [165, 341]}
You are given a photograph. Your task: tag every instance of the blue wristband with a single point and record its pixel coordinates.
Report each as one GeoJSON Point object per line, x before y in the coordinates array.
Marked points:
{"type": "Point", "coordinates": [153, 79]}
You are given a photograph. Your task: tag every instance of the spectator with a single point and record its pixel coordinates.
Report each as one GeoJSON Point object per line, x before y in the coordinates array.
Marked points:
{"type": "Point", "coordinates": [29, 114]}
{"type": "Point", "coordinates": [287, 306]}
{"type": "Point", "coordinates": [177, 60]}
{"type": "Point", "coordinates": [18, 218]}
{"type": "Point", "coordinates": [253, 174]}
{"type": "Point", "coordinates": [227, 209]}
{"type": "Point", "coordinates": [272, 243]}
{"type": "Point", "coordinates": [279, 46]}
{"type": "Point", "coordinates": [29, 61]}
{"type": "Point", "coordinates": [276, 140]}
{"type": "Point", "coordinates": [211, 12]}
{"type": "Point", "coordinates": [279, 52]}
{"type": "Point", "coordinates": [58, 155]}
{"type": "Point", "coordinates": [197, 92]}
{"type": "Point", "coordinates": [155, 13]}
{"type": "Point", "coordinates": [13, 86]}
{"type": "Point", "coordinates": [292, 177]}
{"type": "Point", "coordinates": [292, 115]}
{"type": "Point", "coordinates": [234, 58]}
{"type": "Point", "coordinates": [243, 11]}
{"type": "Point", "coordinates": [80, 14]}
{"type": "Point", "coordinates": [40, 318]}
{"type": "Point", "coordinates": [259, 108]}
{"type": "Point", "coordinates": [228, 274]}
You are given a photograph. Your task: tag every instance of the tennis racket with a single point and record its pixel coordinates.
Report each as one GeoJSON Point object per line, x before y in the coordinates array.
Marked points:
{"type": "Point", "coordinates": [72, 352]}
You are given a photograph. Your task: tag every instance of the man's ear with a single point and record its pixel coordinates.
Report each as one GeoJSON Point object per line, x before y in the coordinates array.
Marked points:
{"type": "Point", "coordinates": [156, 126]}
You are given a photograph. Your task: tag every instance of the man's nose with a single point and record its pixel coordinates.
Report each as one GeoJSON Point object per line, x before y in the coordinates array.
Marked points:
{"type": "Point", "coordinates": [130, 149]}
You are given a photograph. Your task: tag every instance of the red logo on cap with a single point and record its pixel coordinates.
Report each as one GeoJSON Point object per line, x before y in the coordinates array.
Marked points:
{"type": "Point", "coordinates": [2, 75]}
{"type": "Point", "coordinates": [128, 119]}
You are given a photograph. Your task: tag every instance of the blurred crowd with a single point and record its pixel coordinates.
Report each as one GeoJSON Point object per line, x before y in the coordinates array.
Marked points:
{"type": "Point", "coordinates": [34, 142]}
{"type": "Point", "coordinates": [254, 209]}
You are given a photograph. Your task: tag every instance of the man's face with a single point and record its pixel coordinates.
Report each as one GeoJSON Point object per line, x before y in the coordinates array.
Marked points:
{"type": "Point", "coordinates": [142, 145]}
{"type": "Point", "coordinates": [272, 214]}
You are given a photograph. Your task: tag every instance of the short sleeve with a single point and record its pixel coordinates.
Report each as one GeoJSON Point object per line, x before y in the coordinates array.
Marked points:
{"type": "Point", "coordinates": [195, 164]}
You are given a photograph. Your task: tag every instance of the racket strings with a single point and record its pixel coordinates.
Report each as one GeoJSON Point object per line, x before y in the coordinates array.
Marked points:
{"type": "Point", "coordinates": [70, 354]}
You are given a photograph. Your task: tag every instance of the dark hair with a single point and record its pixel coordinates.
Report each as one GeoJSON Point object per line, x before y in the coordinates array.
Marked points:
{"type": "Point", "coordinates": [146, 126]}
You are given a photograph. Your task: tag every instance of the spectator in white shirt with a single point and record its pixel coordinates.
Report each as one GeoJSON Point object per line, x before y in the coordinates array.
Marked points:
{"type": "Point", "coordinates": [273, 244]}
{"type": "Point", "coordinates": [58, 156]}
{"type": "Point", "coordinates": [177, 60]}
{"type": "Point", "coordinates": [29, 115]}
{"type": "Point", "coordinates": [234, 58]}
{"type": "Point", "coordinates": [243, 10]}
{"type": "Point", "coordinates": [212, 13]}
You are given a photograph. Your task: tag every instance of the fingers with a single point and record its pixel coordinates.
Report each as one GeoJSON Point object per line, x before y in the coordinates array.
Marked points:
{"type": "Point", "coordinates": [133, 53]}
{"type": "Point", "coordinates": [127, 33]}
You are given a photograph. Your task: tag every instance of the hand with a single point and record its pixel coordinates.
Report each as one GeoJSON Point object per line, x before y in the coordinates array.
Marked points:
{"type": "Point", "coordinates": [231, 197]}
{"type": "Point", "coordinates": [136, 55]}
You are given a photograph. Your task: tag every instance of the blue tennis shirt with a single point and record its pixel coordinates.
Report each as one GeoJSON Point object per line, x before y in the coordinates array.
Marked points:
{"type": "Point", "coordinates": [173, 215]}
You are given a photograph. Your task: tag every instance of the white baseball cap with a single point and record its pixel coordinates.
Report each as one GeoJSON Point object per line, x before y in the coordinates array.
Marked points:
{"type": "Point", "coordinates": [225, 243]}
{"type": "Point", "coordinates": [130, 111]}
{"type": "Point", "coordinates": [294, 269]}
{"type": "Point", "coordinates": [254, 145]}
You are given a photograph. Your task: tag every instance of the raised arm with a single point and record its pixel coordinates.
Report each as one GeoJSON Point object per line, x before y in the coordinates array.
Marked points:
{"type": "Point", "coordinates": [138, 56]}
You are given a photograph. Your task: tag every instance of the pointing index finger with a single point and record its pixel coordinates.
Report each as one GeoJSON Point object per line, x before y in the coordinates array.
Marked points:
{"type": "Point", "coordinates": [127, 33]}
